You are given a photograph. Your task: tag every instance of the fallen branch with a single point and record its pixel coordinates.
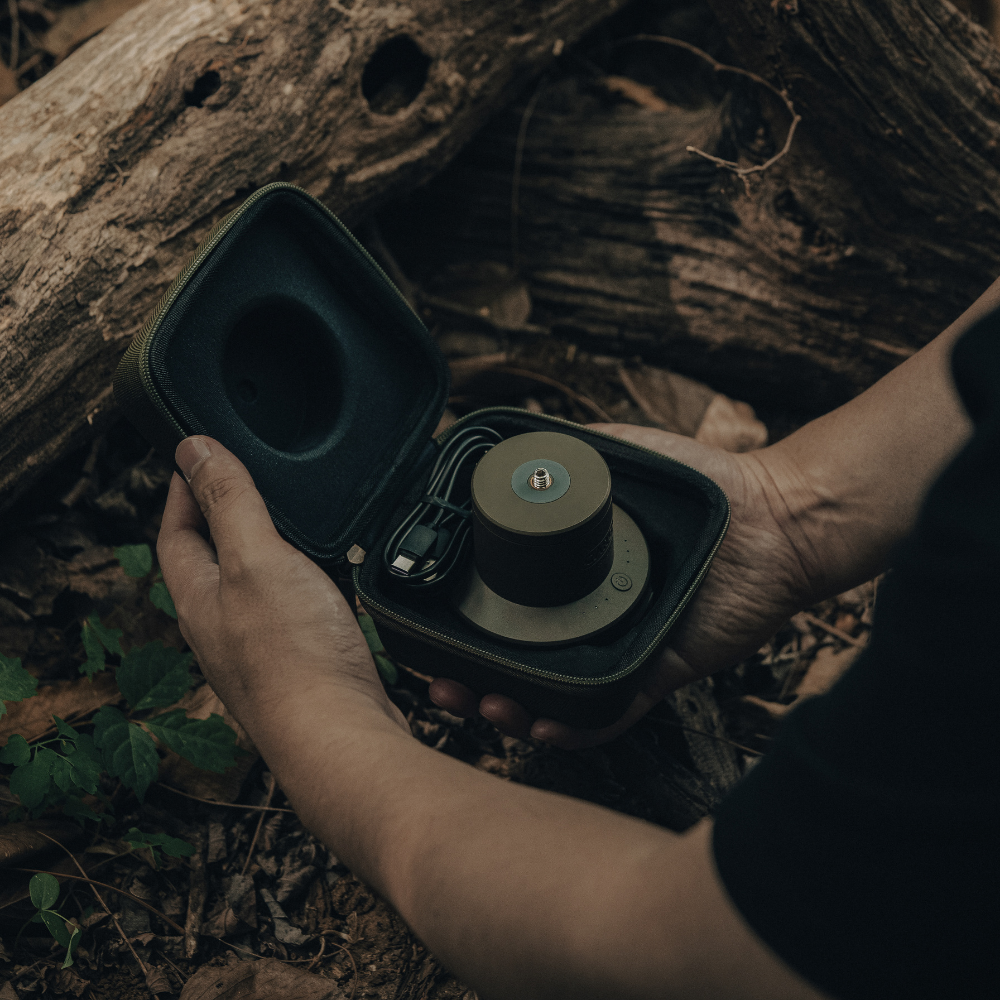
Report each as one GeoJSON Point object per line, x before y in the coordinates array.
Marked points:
{"type": "Point", "coordinates": [114, 165]}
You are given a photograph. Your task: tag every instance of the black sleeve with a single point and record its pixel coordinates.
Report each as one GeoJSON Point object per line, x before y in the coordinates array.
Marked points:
{"type": "Point", "coordinates": [863, 848]}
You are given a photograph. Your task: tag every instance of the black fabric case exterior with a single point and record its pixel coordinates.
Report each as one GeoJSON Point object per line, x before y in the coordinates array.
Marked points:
{"type": "Point", "coordinates": [284, 340]}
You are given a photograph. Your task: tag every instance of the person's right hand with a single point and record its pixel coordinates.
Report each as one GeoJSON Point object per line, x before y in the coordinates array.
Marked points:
{"type": "Point", "coordinates": [762, 574]}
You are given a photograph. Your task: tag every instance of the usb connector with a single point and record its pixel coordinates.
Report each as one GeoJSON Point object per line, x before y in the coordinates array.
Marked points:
{"type": "Point", "coordinates": [413, 548]}
{"type": "Point", "coordinates": [403, 564]}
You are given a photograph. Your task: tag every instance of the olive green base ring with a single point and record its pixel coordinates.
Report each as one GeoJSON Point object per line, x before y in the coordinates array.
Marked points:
{"type": "Point", "coordinates": [568, 623]}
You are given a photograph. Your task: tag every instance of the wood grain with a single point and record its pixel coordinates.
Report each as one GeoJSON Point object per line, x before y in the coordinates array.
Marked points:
{"type": "Point", "coordinates": [115, 164]}
{"type": "Point", "coordinates": [841, 260]}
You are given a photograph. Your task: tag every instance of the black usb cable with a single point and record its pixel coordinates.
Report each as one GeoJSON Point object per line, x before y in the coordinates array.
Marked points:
{"type": "Point", "coordinates": [430, 542]}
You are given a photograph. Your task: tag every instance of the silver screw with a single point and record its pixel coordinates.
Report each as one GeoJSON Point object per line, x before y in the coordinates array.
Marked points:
{"type": "Point", "coordinates": [540, 479]}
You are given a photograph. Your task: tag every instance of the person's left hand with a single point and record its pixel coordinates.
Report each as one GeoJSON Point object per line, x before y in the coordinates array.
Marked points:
{"type": "Point", "coordinates": [259, 614]}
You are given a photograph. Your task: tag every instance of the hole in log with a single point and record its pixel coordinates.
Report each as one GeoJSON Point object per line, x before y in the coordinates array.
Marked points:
{"type": "Point", "coordinates": [206, 85]}
{"type": "Point", "coordinates": [394, 76]}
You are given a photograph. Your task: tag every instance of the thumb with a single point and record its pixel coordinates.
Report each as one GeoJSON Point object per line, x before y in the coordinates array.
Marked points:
{"type": "Point", "coordinates": [237, 518]}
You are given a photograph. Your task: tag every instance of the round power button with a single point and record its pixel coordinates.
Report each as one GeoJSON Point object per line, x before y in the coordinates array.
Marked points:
{"type": "Point", "coordinates": [621, 582]}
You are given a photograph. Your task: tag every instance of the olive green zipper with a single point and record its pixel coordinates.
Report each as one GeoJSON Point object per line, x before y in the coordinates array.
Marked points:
{"type": "Point", "coordinates": [449, 643]}
{"type": "Point", "coordinates": [142, 343]}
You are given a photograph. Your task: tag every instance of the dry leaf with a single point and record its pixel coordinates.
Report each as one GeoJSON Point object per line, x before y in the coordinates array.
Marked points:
{"type": "Point", "coordinates": [67, 699]}
{"type": "Point", "coordinates": [637, 93]}
{"type": "Point", "coordinates": [179, 773]}
{"type": "Point", "coordinates": [260, 980]}
{"type": "Point", "coordinates": [488, 288]}
{"type": "Point", "coordinates": [673, 402]}
{"type": "Point", "coordinates": [828, 666]}
{"type": "Point", "coordinates": [8, 83]}
{"type": "Point", "coordinates": [157, 982]}
{"type": "Point", "coordinates": [731, 425]}
{"type": "Point", "coordinates": [463, 370]}
{"type": "Point", "coordinates": [284, 930]}
{"type": "Point", "coordinates": [77, 23]}
{"type": "Point", "coordinates": [66, 982]}
{"type": "Point", "coordinates": [685, 406]}
{"type": "Point", "coordinates": [19, 842]}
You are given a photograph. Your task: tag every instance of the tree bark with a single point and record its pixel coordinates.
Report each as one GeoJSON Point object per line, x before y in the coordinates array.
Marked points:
{"type": "Point", "coordinates": [842, 258]}
{"type": "Point", "coordinates": [114, 165]}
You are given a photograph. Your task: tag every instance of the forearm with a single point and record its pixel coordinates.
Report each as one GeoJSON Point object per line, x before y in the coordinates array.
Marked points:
{"type": "Point", "coordinates": [521, 893]}
{"type": "Point", "coordinates": [851, 482]}
{"type": "Point", "coordinates": [499, 880]}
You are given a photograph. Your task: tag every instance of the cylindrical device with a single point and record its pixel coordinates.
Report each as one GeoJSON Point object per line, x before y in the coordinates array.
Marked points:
{"type": "Point", "coordinates": [542, 519]}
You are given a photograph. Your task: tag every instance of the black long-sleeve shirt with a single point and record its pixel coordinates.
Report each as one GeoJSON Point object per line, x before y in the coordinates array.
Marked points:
{"type": "Point", "coordinates": [863, 848]}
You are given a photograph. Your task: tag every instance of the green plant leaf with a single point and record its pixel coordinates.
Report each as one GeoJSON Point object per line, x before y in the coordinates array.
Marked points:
{"type": "Point", "coordinates": [136, 560]}
{"type": "Point", "coordinates": [31, 782]}
{"type": "Point", "coordinates": [207, 743]}
{"type": "Point", "coordinates": [386, 668]}
{"type": "Point", "coordinates": [161, 598]}
{"type": "Point", "coordinates": [97, 638]}
{"type": "Point", "coordinates": [171, 846]}
{"type": "Point", "coordinates": [16, 683]}
{"type": "Point", "coordinates": [128, 751]}
{"type": "Point", "coordinates": [154, 675]}
{"type": "Point", "coordinates": [110, 637]}
{"type": "Point", "coordinates": [65, 730]}
{"type": "Point", "coordinates": [74, 941]}
{"type": "Point", "coordinates": [94, 649]}
{"type": "Point", "coordinates": [85, 746]}
{"type": "Point", "coordinates": [16, 752]}
{"type": "Point", "coordinates": [371, 635]}
{"type": "Point", "coordinates": [76, 771]}
{"type": "Point", "coordinates": [44, 890]}
{"type": "Point", "coordinates": [77, 809]}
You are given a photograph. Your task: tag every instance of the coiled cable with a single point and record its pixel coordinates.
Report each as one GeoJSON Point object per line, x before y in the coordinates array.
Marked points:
{"type": "Point", "coordinates": [429, 544]}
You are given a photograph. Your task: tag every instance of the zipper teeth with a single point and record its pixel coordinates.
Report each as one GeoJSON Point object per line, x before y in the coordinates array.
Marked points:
{"type": "Point", "coordinates": [548, 674]}
{"type": "Point", "coordinates": [146, 335]}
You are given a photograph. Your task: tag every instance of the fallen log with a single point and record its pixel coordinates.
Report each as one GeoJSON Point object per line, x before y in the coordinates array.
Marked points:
{"type": "Point", "coordinates": [830, 267]}
{"type": "Point", "coordinates": [115, 164]}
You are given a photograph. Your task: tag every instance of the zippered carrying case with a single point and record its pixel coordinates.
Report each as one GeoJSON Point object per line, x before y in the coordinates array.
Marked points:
{"type": "Point", "coordinates": [284, 340]}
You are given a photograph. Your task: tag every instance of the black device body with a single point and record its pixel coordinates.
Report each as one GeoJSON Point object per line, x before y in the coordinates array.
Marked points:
{"type": "Point", "coordinates": [284, 340]}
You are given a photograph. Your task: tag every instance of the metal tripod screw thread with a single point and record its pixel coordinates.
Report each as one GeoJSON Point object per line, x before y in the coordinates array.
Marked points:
{"type": "Point", "coordinates": [540, 479]}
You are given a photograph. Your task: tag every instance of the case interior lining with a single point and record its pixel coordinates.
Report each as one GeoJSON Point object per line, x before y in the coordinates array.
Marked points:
{"type": "Point", "coordinates": [680, 512]}
{"type": "Point", "coordinates": [330, 386]}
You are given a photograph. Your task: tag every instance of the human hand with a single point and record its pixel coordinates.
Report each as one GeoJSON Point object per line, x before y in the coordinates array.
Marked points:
{"type": "Point", "coordinates": [761, 575]}
{"type": "Point", "coordinates": [260, 616]}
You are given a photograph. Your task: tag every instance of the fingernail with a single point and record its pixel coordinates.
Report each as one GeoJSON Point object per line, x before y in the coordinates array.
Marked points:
{"type": "Point", "coordinates": [191, 452]}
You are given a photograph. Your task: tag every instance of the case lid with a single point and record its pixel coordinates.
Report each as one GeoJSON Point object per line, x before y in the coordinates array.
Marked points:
{"type": "Point", "coordinates": [288, 344]}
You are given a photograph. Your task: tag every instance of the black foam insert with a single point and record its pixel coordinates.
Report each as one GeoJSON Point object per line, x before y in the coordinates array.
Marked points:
{"type": "Point", "coordinates": [680, 512]}
{"type": "Point", "coordinates": [291, 347]}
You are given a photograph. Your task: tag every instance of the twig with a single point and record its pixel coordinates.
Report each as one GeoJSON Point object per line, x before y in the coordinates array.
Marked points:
{"type": "Point", "coordinates": [227, 805]}
{"type": "Point", "coordinates": [29, 63]}
{"type": "Point", "coordinates": [104, 885]}
{"type": "Point", "coordinates": [181, 975]}
{"type": "Point", "coordinates": [832, 629]}
{"type": "Point", "coordinates": [15, 34]}
{"type": "Point", "coordinates": [319, 955]}
{"type": "Point", "coordinates": [347, 951]}
{"type": "Point", "coordinates": [718, 67]}
{"type": "Point", "coordinates": [701, 732]}
{"type": "Point", "coordinates": [100, 899]}
{"type": "Point", "coordinates": [256, 833]}
{"type": "Point", "coordinates": [515, 184]}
